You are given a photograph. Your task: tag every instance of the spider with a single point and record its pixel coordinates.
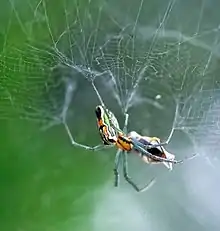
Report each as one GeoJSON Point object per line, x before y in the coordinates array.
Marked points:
{"type": "Point", "coordinates": [150, 149]}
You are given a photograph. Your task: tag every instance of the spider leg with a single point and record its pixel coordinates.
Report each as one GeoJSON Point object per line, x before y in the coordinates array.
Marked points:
{"type": "Point", "coordinates": [156, 145]}
{"type": "Point", "coordinates": [141, 148]}
{"type": "Point", "coordinates": [170, 136]}
{"type": "Point", "coordinates": [126, 123]}
{"type": "Point", "coordinates": [163, 143]}
{"type": "Point", "coordinates": [191, 157]}
{"type": "Point", "coordinates": [100, 147]}
{"type": "Point", "coordinates": [128, 178]}
{"type": "Point", "coordinates": [74, 143]}
{"type": "Point", "coordinates": [98, 95]}
{"type": "Point", "coordinates": [117, 162]}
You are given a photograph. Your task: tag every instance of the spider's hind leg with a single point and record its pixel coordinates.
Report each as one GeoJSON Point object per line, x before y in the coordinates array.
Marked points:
{"type": "Point", "coordinates": [130, 181]}
{"type": "Point", "coordinates": [117, 162]}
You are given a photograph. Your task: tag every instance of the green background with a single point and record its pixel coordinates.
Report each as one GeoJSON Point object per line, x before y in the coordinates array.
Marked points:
{"type": "Point", "coordinates": [48, 185]}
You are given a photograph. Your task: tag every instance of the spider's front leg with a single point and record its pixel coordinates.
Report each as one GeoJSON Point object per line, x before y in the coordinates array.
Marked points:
{"type": "Point", "coordinates": [74, 143]}
{"type": "Point", "coordinates": [128, 178]}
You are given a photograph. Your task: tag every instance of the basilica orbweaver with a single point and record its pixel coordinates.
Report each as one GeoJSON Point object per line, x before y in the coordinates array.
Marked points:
{"type": "Point", "coordinates": [150, 149]}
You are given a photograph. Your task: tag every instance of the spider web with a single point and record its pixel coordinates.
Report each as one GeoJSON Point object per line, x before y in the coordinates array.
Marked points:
{"type": "Point", "coordinates": [143, 66]}
{"type": "Point", "coordinates": [135, 63]}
